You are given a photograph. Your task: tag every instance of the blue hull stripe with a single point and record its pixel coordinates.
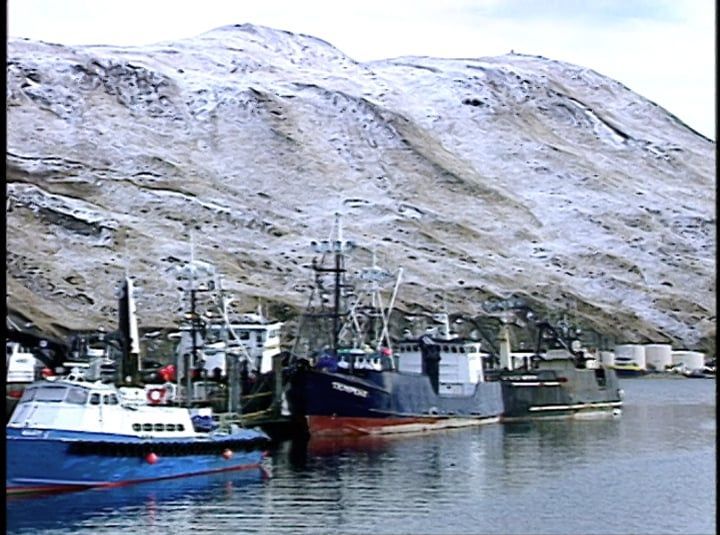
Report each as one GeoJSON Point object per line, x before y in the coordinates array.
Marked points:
{"type": "Point", "coordinates": [53, 464]}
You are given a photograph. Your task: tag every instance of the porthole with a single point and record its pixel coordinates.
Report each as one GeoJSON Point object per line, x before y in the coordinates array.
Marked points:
{"type": "Point", "coordinates": [159, 427]}
{"type": "Point", "coordinates": [147, 427]}
{"type": "Point", "coordinates": [136, 427]}
{"type": "Point", "coordinates": [170, 427]}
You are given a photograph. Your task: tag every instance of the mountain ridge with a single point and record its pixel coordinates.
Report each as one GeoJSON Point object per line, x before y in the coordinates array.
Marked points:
{"type": "Point", "coordinates": [510, 175]}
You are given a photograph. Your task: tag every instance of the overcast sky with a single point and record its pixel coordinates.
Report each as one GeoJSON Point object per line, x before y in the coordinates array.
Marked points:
{"type": "Point", "coordinates": [662, 49]}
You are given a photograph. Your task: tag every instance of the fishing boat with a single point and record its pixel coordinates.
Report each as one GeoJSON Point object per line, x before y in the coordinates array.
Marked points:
{"type": "Point", "coordinates": [234, 359]}
{"type": "Point", "coordinates": [29, 355]}
{"type": "Point", "coordinates": [559, 386]}
{"type": "Point", "coordinates": [354, 386]}
{"type": "Point", "coordinates": [558, 381]}
{"type": "Point", "coordinates": [561, 380]}
{"type": "Point", "coordinates": [21, 369]}
{"type": "Point", "coordinates": [91, 434]}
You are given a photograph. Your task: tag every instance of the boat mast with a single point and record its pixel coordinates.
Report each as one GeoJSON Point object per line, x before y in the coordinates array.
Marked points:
{"type": "Point", "coordinates": [338, 247]}
{"type": "Point", "coordinates": [190, 360]}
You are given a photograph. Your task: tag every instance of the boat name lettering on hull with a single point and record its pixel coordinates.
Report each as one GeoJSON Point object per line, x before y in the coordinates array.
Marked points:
{"type": "Point", "coordinates": [350, 389]}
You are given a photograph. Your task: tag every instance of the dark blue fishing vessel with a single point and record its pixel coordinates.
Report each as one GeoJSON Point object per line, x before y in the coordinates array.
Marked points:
{"type": "Point", "coordinates": [354, 386]}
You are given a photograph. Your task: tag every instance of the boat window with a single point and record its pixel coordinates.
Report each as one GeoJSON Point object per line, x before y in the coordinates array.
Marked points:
{"type": "Point", "coordinates": [28, 395]}
{"type": "Point", "coordinates": [159, 427]}
{"type": "Point", "coordinates": [77, 395]}
{"type": "Point", "coordinates": [137, 427]}
{"type": "Point", "coordinates": [147, 427]}
{"type": "Point", "coordinates": [51, 393]}
{"type": "Point", "coordinates": [462, 350]}
{"type": "Point", "coordinates": [110, 399]}
{"type": "Point", "coordinates": [454, 349]}
{"type": "Point", "coordinates": [180, 427]}
{"type": "Point", "coordinates": [94, 398]}
{"type": "Point", "coordinates": [170, 427]}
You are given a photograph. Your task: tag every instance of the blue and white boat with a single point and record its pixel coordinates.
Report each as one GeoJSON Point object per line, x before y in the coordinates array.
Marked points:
{"type": "Point", "coordinates": [85, 434]}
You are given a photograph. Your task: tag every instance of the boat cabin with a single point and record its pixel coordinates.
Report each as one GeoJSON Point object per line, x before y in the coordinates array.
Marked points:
{"type": "Point", "coordinates": [260, 340]}
{"type": "Point", "coordinates": [94, 407]}
{"type": "Point", "coordinates": [461, 364]}
{"type": "Point", "coordinates": [20, 364]}
{"type": "Point", "coordinates": [360, 359]}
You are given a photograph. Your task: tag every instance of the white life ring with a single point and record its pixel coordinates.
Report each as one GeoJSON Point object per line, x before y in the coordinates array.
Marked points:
{"type": "Point", "coordinates": [156, 396]}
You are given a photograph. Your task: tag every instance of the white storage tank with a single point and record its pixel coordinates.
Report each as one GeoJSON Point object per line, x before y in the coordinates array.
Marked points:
{"type": "Point", "coordinates": [607, 358]}
{"type": "Point", "coordinates": [630, 355]}
{"type": "Point", "coordinates": [658, 356]}
{"type": "Point", "coordinates": [692, 360]}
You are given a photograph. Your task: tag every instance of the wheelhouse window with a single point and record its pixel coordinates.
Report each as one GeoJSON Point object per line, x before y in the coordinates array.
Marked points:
{"type": "Point", "coordinates": [94, 398]}
{"type": "Point", "coordinates": [78, 396]}
{"type": "Point", "coordinates": [51, 393]}
{"type": "Point", "coordinates": [110, 399]}
{"type": "Point", "coordinates": [28, 395]}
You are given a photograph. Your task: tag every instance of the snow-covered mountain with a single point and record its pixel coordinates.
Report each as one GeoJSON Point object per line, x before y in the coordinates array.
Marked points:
{"type": "Point", "coordinates": [479, 177]}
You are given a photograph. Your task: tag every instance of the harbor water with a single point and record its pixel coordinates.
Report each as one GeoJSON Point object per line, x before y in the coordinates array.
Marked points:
{"type": "Point", "coordinates": [650, 471]}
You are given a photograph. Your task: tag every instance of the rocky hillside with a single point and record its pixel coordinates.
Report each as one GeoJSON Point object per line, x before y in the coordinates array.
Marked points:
{"type": "Point", "coordinates": [479, 177]}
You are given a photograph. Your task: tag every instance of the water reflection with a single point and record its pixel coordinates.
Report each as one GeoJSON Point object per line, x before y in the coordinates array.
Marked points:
{"type": "Point", "coordinates": [107, 507]}
{"type": "Point", "coordinates": [650, 471]}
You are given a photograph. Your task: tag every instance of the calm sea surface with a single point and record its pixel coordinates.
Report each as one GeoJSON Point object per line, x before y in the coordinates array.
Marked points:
{"type": "Point", "coordinates": [650, 471]}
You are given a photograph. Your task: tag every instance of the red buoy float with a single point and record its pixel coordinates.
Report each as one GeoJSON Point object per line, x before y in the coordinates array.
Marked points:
{"type": "Point", "coordinates": [151, 458]}
{"type": "Point", "coordinates": [227, 453]}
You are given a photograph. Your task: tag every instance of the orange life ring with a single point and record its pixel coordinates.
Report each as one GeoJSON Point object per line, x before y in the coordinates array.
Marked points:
{"type": "Point", "coordinates": [155, 396]}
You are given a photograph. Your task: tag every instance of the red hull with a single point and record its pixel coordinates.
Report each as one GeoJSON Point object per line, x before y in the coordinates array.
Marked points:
{"type": "Point", "coordinates": [325, 426]}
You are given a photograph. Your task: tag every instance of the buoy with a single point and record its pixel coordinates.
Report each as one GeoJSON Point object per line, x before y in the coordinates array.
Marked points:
{"type": "Point", "coordinates": [151, 458]}
{"type": "Point", "coordinates": [156, 396]}
{"type": "Point", "coordinates": [227, 453]}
